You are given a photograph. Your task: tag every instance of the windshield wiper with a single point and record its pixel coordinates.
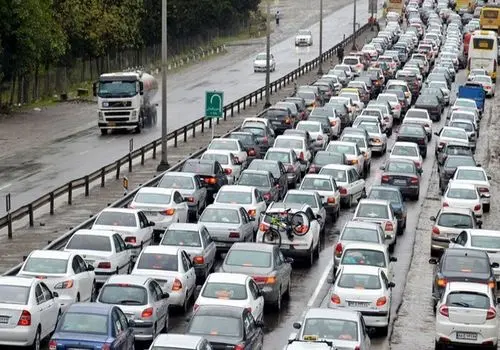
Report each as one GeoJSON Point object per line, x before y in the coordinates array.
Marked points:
{"type": "Point", "coordinates": [460, 225]}
{"type": "Point", "coordinates": [129, 301]}
{"type": "Point", "coordinates": [462, 304]}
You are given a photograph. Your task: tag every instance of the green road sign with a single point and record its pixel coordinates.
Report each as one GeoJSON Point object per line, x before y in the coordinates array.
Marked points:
{"type": "Point", "coordinates": [214, 104]}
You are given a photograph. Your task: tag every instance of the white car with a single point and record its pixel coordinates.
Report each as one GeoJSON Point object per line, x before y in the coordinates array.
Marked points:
{"type": "Point", "coordinates": [163, 206]}
{"type": "Point", "coordinates": [260, 63]}
{"type": "Point", "coordinates": [106, 251]}
{"type": "Point", "coordinates": [392, 98]}
{"type": "Point", "coordinates": [378, 139]}
{"type": "Point", "coordinates": [351, 185]}
{"type": "Point", "coordinates": [315, 130]}
{"type": "Point", "coordinates": [304, 37]}
{"type": "Point", "coordinates": [63, 272]}
{"type": "Point", "coordinates": [464, 196]}
{"type": "Point", "coordinates": [234, 146]}
{"type": "Point", "coordinates": [232, 289]}
{"type": "Point", "coordinates": [400, 85]}
{"type": "Point", "coordinates": [464, 103]}
{"type": "Point", "coordinates": [299, 145]}
{"type": "Point", "coordinates": [229, 162]}
{"type": "Point", "coordinates": [180, 341]}
{"type": "Point", "coordinates": [354, 155]}
{"type": "Point", "coordinates": [478, 177]}
{"type": "Point", "coordinates": [420, 116]}
{"type": "Point", "coordinates": [355, 63]}
{"type": "Point", "coordinates": [476, 72]}
{"type": "Point", "coordinates": [379, 211]}
{"type": "Point", "coordinates": [172, 268]}
{"type": "Point", "coordinates": [487, 83]}
{"type": "Point", "coordinates": [311, 198]}
{"type": "Point", "coordinates": [469, 127]}
{"type": "Point", "coordinates": [467, 315]}
{"type": "Point", "coordinates": [248, 197]}
{"type": "Point", "coordinates": [363, 144]}
{"type": "Point", "coordinates": [450, 134]}
{"type": "Point", "coordinates": [132, 225]}
{"type": "Point", "coordinates": [29, 312]}
{"type": "Point", "coordinates": [467, 114]}
{"type": "Point", "coordinates": [407, 150]}
{"type": "Point", "coordinates": [327, 188]}
{"type": "Point", "coordinates": [366, 289]}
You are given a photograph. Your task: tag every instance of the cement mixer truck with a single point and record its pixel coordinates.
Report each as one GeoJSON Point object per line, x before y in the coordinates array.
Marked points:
{"type": "Point", "coordinates": [125, 101]}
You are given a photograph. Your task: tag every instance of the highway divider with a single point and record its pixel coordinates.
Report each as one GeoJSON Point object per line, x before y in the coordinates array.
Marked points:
{"type": "Point", "coordinates": [230, 110]}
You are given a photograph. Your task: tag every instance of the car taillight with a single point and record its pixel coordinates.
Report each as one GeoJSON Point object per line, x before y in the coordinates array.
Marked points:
{"type": "Point", "coordinates": [252, 212]}
{"type": "Point", "coordinates": [287, 121]}
{"type": "Point", "coordinates": [168, 212]}
{"type": "Point", "coordinates": [301, 155]}
{"type": "Point", "coordinates": [104, 265]}
{"type": "Point", "coordinates": [239, 347]}
{"type": "Point", "coordinates": [335, 299]}
{"type": "Point", "coordinates": [441, 282]}
{"type": "Point", "coordinates": [353, 161]}
{"type": "Point", "coordinates": [265, 140]}
{"type": "Point", "coordinates": [443, 310]}
{"type": "Point", "coordinates": [492, 284]}
{"type": "Point", "coordinates": [477, 207]}
{"type": "Point", "coordinates": [445, 204]}
{"type": "Point", "coordinates": [338, 250]}
{"type": "Point", "coordinates": [414, 180]}
{"type": "Point", "coordinates": [177, 285]}
{"type": "Point", "coordinates": [385, 178]}
{"type": "Point", "coordinates": [331, 200]}
{"type": "Point", "coordinates": [389, 226]}
{"type": "Point", "coordinates": [484, 189]}
{"type": "Point", "coordinates": [131, 239]}
{"type": "Point", "coordinates": [381, 301]}
{"type": "Point", "coordinates": [190, 199]}
{"type": "Point", "coordinates": [211, 180]}
{"type": "Point", "coordinates": [234, 234]}
{"type": "Point", "coordinates": [199, 260]}
{"type": "Point", "coordinates": [491, 314]}
{"type": "Point", "coordinates": [435, 230]}
{"type": "Point", "coordinates": [64, 285]}
{"type": "Point", "coordinates": [267, 196]}
{"type": "Point", "coordinates": [147, 313]}
{"type": "Point", "coordinates": [265, 279]}
{"type": "Point", "coordinates": [52, 345]}
{"type": "Point", "coordinates": [263, 227]}
{"type": "Point", "coordinates": [106, 346]}
{"type": "Point", "coordinates": [228, 171]}
{"type": "Point", "coordinates": [342, 190]}
{"type": "Point", "coordinates": [25, 319]}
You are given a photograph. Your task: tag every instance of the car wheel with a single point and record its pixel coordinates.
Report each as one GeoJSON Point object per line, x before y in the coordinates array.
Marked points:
{"type": "Point", "coordinates": [185, 305]}
{"type": "Point", "coordinates": [486, 207]}
{"type": "Point", "coordinates": [310, 261]}
{"type": "Point", "coordinates": [383, 331]}
{"type": "Point", "coordinates": [104, 131]}
{"type": "Point", "coordinates": [437, 346]}
{"type": "Point", "coordinates": [93, 292]}
{"type": "Point", "coordinates": [349, 202]}
{"type": "Point", "coordinates": [288, 292]}
{"type": "Point", "coordinates": [278, 303]}
{"type": "Point", "coordinates": [316, 251]}
{"type": "Point", "coordinates": [37, 340]}
{"type": "Point", "coordinates": [165, 325]}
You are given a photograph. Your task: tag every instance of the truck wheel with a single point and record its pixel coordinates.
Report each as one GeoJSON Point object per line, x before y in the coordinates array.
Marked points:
{"type": "Point", "coordinates": [104, 131]}
{"type": "Point", "coordinates": [140, 125]}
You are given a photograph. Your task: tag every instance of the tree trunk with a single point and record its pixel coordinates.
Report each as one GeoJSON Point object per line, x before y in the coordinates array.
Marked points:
{"type": "Point", "coordinates": [36, 88]}
{"type": "Point", "coordinates": [12, 89]}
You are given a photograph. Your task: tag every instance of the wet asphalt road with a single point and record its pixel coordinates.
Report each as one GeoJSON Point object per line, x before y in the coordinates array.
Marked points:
{"type": "Point", "coordinates": [31, 173]}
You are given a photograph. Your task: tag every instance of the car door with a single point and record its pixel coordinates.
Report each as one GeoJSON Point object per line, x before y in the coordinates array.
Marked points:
{"type": "Point", "coordinates": [119, 331]}
{"type": "Point", "coordinates": [322, 210]}
{"type": "Point", "coordinates": [181, 206]}
{"type": "Point", "coordinates": [162, 304]}
{"type": "Point", "coordinates": [122, 257]}
{"type": "Point", "coordinates": [82, 275]}
{"type": "Point", "coordinates": [248, 227]}
{"type": "Point", "coordinates": [145, 228]}
{"type": "Point", "coordinates": [261, 203]}
{"type": "Point", "coordinates": [128, 331]}
{"type": "Point", "coordinates": [209, 248]}
{"type": "Point", "coordinates": [49, 309]}
{"type": "Point", "coordinates": [355, 182]}
{"type": "Point", "coordinates": [257, 299]}
{"type": "Point", "coordinates": [188, 272]}
{"type": "Point", "coordinates": [283, 180]}
{"type": "Point", "coordinates": [253, 334]}
{"type": "Point", "coordinates": [236, 166]}
{"type": "Point", "coordinates": [460, 241]}
{"type": "Point", "coordinates": [220, 175]}
{"type": "Point", "coordinates": [386, 285]}
{"type": "Point", "coordinates": [156, 301]}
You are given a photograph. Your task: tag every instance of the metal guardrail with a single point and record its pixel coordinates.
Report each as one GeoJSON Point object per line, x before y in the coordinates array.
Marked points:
{"type": "Point", "coordinates": [28, 210]}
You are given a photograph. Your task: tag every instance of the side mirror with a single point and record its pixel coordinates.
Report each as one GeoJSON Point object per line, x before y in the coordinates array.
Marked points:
{"type": "Point", "coordinates": [90, 268]}
{"type": "Point", "coordinates": [55, 294]}
{"type": "Point", "coordinates": [165, 295]}
{"type": "Point", "coordinates": [453, 240]}
{"type": "Point", "coordinates": [479, 223]}
{"type": "Point", "coordinates": [297, 325]}
{"type": "Point", "coordinates": [432, 218]}
{"type": "Point", "coordinates": [94, 89]}
{"type": "Point", "coordinates": [151, 224]}
{"type": "Point", "coordinates": [391, 285]}
{"type": "Point", "coordinates": [131, 323]}
{"type": "Point", "coordinates": [393, 259]}
{"type": "Point", "coordinates": [259, 324]}
{"type": "Point", "coordinates": [488, 177]}
{"type": "Point", "coordinates": [318, 217]}
{"type": "Point", "coordinates": [495, 265]}
{"type": "Point", "coordinates": [433, 261]}
{"type": "Point", "coordinates": [141, 88]}
{"type": "Point", "coordinates": [289, 260]}
{"type": "Point", "coordinates": [420, 171]}
{"type": "Point", "coordinates": [129, 246]}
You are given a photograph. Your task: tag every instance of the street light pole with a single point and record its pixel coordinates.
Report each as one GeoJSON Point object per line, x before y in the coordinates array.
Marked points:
{"type": "Point", "coordinates": [268, 56]}
{"type": "Point", "coordinates": [354, 29]}
{"type": "Point", "coordinates": [164, 162]}
{"type": "Point", "coordinates": [320, 68]}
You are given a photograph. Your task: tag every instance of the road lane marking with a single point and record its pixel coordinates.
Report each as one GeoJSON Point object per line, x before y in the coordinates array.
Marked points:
{"type": "Point", "coordinates": [321, 282]}
{"type": "Point", "coordinates": [5, 186]}
{"type": "Point", "coordinates": [83, 152]}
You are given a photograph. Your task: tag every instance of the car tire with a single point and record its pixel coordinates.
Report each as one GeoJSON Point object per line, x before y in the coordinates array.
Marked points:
{"type": "Point", "coordinates": [37, 340]}
{"type": "Point", "coordinates": [486, 207]}
{"type": "Point", "coordinates": [349, 202]}
{"type": "Point", "coordinates": [310, 261]}
{"type": "Point", "coordinates": [93, 292]}
{"type": "Point", "coordinates": [288, 292]}
{"type": "Point", "coordinates": [185, 305]}
{"type": "Point", "coordinates": [279, 301]}
{"type": "Point", "coordinates": [165, 324]}
{"type": "Point", "coordinates": [383, 331]}
{"type": "Point", "coordinates": [437, 346]}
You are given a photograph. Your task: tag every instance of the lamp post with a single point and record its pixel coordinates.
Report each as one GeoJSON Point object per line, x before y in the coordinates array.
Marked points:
{"type": "Point", "coordinates": [320, 68]}
{"type": "Point", "coordinates": [268, 56]}
{"type": "Point", "coordinates": [354, 29]}
{"type": "Point", "coordinates": [164, 162]}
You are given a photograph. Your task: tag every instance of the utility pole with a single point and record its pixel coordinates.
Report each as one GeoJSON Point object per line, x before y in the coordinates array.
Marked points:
{"type": "Point", "coordinates": [164, 162]}
{"type": "Point", "coordinates": [268, 56]}
{"type": "Point", "coordinates": [373, 4]}
{"type": "Point", "coordinates": [354, 29]}
{"type": "Point", "coordinates": [320, 68]}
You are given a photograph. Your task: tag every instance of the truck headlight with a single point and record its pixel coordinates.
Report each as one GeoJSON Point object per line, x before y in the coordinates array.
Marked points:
{"type": "Point", "coordinates": [134, 114]}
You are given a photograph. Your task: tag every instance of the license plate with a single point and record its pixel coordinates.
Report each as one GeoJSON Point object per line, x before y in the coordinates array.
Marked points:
{"type": "Point", "coordinates": [358, 304]}
{"type": "Point", "coordinates": [112, 124]}
{"type": "Point", "coordinates": [400, 182]}
{"type": "Point", "coordinates": [276, 123]}
{"type": "Point", "coordinates": [4, 319]}
{"type": "Point", "coordinates": [466, 336]}
{"type": "Point", "coordinates": [152, 213]}
{"type": "Point", "coordinates": [221, 244]}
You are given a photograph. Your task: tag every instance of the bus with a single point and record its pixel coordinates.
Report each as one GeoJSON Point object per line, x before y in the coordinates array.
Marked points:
{"type": "Point", "coordinates": [483, 52]}
{"type": "Point", "coordinates": [489, 19]}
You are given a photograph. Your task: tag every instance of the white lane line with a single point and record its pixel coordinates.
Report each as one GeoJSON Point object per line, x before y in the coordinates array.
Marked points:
{"type": "Point", "coordinates": [83, 152]}
{"type": "Point", "coordinates": [321, 282]}
{"type": "Point", "coordinates": [3, 187]}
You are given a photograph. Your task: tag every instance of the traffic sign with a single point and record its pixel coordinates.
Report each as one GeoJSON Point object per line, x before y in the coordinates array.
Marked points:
{"type": "Point", "coordinates": [214, 104]}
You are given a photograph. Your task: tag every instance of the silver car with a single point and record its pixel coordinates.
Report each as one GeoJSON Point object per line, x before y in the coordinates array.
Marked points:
{"type": "Point", "coordinates": [266, 264]}
{"type": "Point", "coordinates": [227, 224]}
{"type": "Point", "coordinates": [197, 243]}
{"type": "Point", "coordinates": [378, 139]}
{"type": "Point", "coordinates": [180, 341]}
{"type": "Point", "coordinates": [141, 299]}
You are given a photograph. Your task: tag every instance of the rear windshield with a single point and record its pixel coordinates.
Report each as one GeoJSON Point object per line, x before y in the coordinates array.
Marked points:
{"type": "Point", "coordinates": [215, 326]}
{"type": "Point", "coordinates": [152, 198]}
{"type": "Point", "coordinates": [454, 134]}
{"type": "Point", "coordinates": [93, 242]}
{"type": "Point", "coordinates": [330, 328]}
{"type": "Point", "coordinates": [358, 140]}
{"type": "Point", "coordinates": [465, 174]}
{"type": "Point", "coordinates": [234, 197]}
{"type": "Point", "coordinates": [405, 151]}
{"type": "Point", "coordinates": [123, 294]}
{"type": "Point", "coordinates": [221, 158]}
{"type": "Point", "coordinates": [360, 235]}
{"type": "Point", "coordinates": [181, 238]}
{"type": "Point", "coordinates": [14, 294]}
{"type": "Point", "coordinates": [338, 148]}
{"type": "Point", "coordinates": [374, 211]}
{"type": "Point", "coordinates": [359, 281]}
{"type": "Point", "coordinates": [109, 218]}
{"type": "Point", "coordinates": [75, 322]}
{"type": "Point", "coordinates": [455, 220]}
{"type": "Point", "coordinates": [250, 258]}
{"type": "Point", "coordinates": [363, 257]}
{"type": "Point", "coordinates": [328, 158]}
{"type": "Point", "coordinates": [258, 180]}
{"type": "Point", "coordinates": [462, 193]}
{"type": "Point", "coordinates": [193, 167]}
{"type": "Point", "coordinates": [310, 183]}
{"type": "Point", "coordinates": [468, 300]}
{"type": "Point", "coordinates": [221, 144]}
{"type": "Point", "coordinates": [46, 265]}
{"type": "Point", "coordinates": [400, 167]}
{"type": "Point", "coordinates": [296, 198]}
{"type": "Point", "coordinates": [269, 166]}
{"type": "Point", "coordinates": [351, 61]}
{"type": "Point", "coordinates": [453, 162]}
{"type": "Point", "coordinates": [152, 261]}
{"type": "Point", "coordinates": [485, 242]}
{"type": "Point", "coordinates": [288, 143]}
{"type": "Point", "coordinates": [225, 291]}
{"type": "Point", "coordinates": [179, 182]}
{"type": "Point", "coordinates": [220, 215]}
{"type": "Point", "coordinates": [283, 157]}
{"type": "Point", "coordinates": [467, 264]}
{"type": "Point", "coordinates": [255, 131]}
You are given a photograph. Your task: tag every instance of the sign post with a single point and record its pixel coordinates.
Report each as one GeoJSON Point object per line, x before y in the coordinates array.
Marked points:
{"type": "Point", "coordinates": [214, 106]}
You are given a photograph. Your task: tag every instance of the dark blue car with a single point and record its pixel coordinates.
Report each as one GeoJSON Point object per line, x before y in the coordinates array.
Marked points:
{"type": "Point", "coordinates": [93, 326]}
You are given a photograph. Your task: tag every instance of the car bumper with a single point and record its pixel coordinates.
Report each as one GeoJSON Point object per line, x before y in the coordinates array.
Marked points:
{"type": "Point", "coordinates": [269, 292]}
{"type": "Point", "coordinates": [259, 69]}
{"type": "Point", "coordinates": [300, 252]}
{"type": "Point", "coordinates": [143, 330]}
{"type": "Point", "coordinates": [439, 244]}
{"type": "Point", "coordinates": [17, 336]}
{"type": "Point", "coordinates": [448, 330]}
{"type": "Point", "coordinates": [176, 298]}
{"type": "Point", "coordinates": [118, 125]}
{"type": "Point", "coordinates": [409, 190]}
{"type": "Point", "coordinates": [376, 318]}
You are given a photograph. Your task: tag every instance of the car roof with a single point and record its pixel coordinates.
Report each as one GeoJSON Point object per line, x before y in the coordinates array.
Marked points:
{"type": "Point", "coordinates": [469, 167]}
{"type": "Point", "coordinates": [250, 246]}
{"type": "Point", "coordinates": [219, 310]}
{"type": "Point", "coordinates": [181, 341]}
{"type": "Point", "coordinates": [137, 280]}
{"type": "Point", "coordinates": [405, 144]}
{"type": "Point", "coordinates": [160, 190]}
{"type": "Point", "coordinates": [184, 226]}
{"type": "Point", "coordinates": [349, 315]}
{"type": "Point", "coordinates": [278, 149]}
{"type": "Point", "coordinates": [452, 128]}
{"type": "Point", "coordinates": [478, 232]}
{"type": "Point", "coordinates": [226, 277]}
{"type": "Point", "coordinates": [366, 245]}
{"type": "Point", "coordinates": [120, 210]}
{"type": "Point", "coordinates": [91, 308]}
{"type": "Point", "coordinates": [218, 151]}
{"type": "Point", "coordinates": [361, 269]}
{"type": "Point", "coordinates": [468, 287]}
{"type": "Point", "coordinates": [462, 185]}
{"type": "Point", "coordinates": [224, 206]}
{"type": "Point", "coordinates": [17, 281]}
{"type": "Point", "coordinates": [318, 176]}
{"type": "Point", "coordinates": [88, 232]}
{"type": "Point", "coordinates": [277, 207]}
{"type": "Point", "coordinates": [343, 143]}
{"type": "Point", "coordinates": [375, 201]}
{"type": "Point", "coordinates": [51, 254]}
{"type": "Point", "coordinates": [385, 188]}
{"type": "Point", "coordinates": [338, 166]}
{"type": "Point", "coordinates": [400, 160]}
{"type": "Point", "coordinates": [184, 173]}
{"type": "Point", "coordinates": [451, 210]}
{"type": "Point", "coordinates": [256, 172]}
{"type": "Point", "coordinates": [237, 188]}
{"type": "Point", "coordinates": [161, 249]}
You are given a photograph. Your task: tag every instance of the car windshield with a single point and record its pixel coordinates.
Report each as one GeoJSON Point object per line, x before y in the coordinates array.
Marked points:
{"type": "Point", "coordinates": [453, 162]}
{"type": "Point", "coordinates": [75, 322]}
{"type": "Point", "coordinates": [46, 265]}
{"type": "Point", "coordinates": [482, 79]}
{"type": "Point", "coordinates": [248, 258]}
{"type": "Point", "coordinates": [245, 139]}
{"type": "Point", "coordinates": [328, 158]}
{"type": "Point", "coordinates": [454, 134]}
{"type": "Point", "coordinates": [310, 183]}
{"type": "Point", "coordinates": [374, 211]}
{"type": "Point", "coordinates": [220, 215]}
{"type": "Point", "coordinates": [400, 167]}
{"type": "Point", "coordinates": [359, 281]}
{"type": "Point", "coordinates": [295, 198]}
{"type": "Point", "coordinates": [464, 116]}
{"type": "Point", "coordinates": [330, 329]}
{"type": "Point", "coordinates": [467, 264]}
{"type": "Point", "coordinates": [178, 182]}
{"type": "Point", "coordinates": [123, 294]}
{"type": "Point", "coordinates": [221, 158]}
{"type": "Point", "coordinates": [392, 196]}
{"type": "Point", "coordinates": [283, 157]}
{"type": "Point", "coordinates": [405, 151]}
{"type": "Point", "coordinates": [173, 237]}
{"type": "Point", "coordinates": [485, 242]}
{"type": "Point", "coordinates": [339, 148]}
{"type": "Point", "coordinates": [17, 295]}
{"type": "Point", "coordinates": [224, 144]}
{"type": "Point", "coordinates": [234, 197]}
{"type": "Point", "coordinates": [272, 167]}
{"type": "Point", "coordinates": [90, 242]}
{"type": "Point", "coordinates": [224, 291]}
{"type": "Point", "coordinates": [360, 141]}
{"type": "Point", "coordinates": [215, 326]}
{"type": "Point", "coordinates": [110, 218]}
{"type": "Point", "coordinates": [311, 127]}
{"type": "Point", "coordinates": [257, 180]}
{"type": "Point", "coordinates": [261, 57]}
{"type": "Point", "coordinates": [468, 300]}
{"type": "Point", "coordinates": [455, 220]}
{"type": "Point", "coordinates": [156, 261]}
{"type": "Point", "coordinates": [462, 193]}
{"type": "Point", "coordinates": [363, 257]}
{"type": "Point", "coordinates": [152, 198]}
{"type": "Point", "coordinates": [474, 175]}
{"type": "Point", "coordinates": [359, 234]}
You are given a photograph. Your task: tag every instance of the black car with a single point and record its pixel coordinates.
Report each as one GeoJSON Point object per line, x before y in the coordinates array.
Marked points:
{"type": "Point", "coordinates": [323, 158]}
{"type": "Point", "coordinates": [301, 106]}
{"type": "Point", "coordinates": [262, 133]}
{"type": "Point", "coordinates": [432, 105]}
{"type": "Point", "coordinates": [462, 265]}
{"type": "Point", "coordinates": [280, 118]}
{"type": "Point", "coordinates": [250, 142]}
{"type": "Point", "coordinates": [404, 174]}
{"type": "Point", "coordinates": [227, 327]}
{"type": "Point", "coordinates": [414, 133]}
{"type": "Point", "coordinates": [276, 168]}
{"type": "Point", "coordinates": [433, 91]}
{"type": "Point", "coordinates": [453, 149]}
{"type": "Point", "coordinates": [447, 170]}
{"type": "Point", "coordinates": [395, 198]}
{"type": "Point", "coordinates": [342, 112]}
{"type": "Point", "coordinates": [211, 173]}
{"type": "Point", "coordinates": [264, 181]}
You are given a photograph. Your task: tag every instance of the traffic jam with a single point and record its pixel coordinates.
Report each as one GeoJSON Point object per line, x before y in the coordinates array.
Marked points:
{"type": "Point", "coordinates": [219, 239]}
